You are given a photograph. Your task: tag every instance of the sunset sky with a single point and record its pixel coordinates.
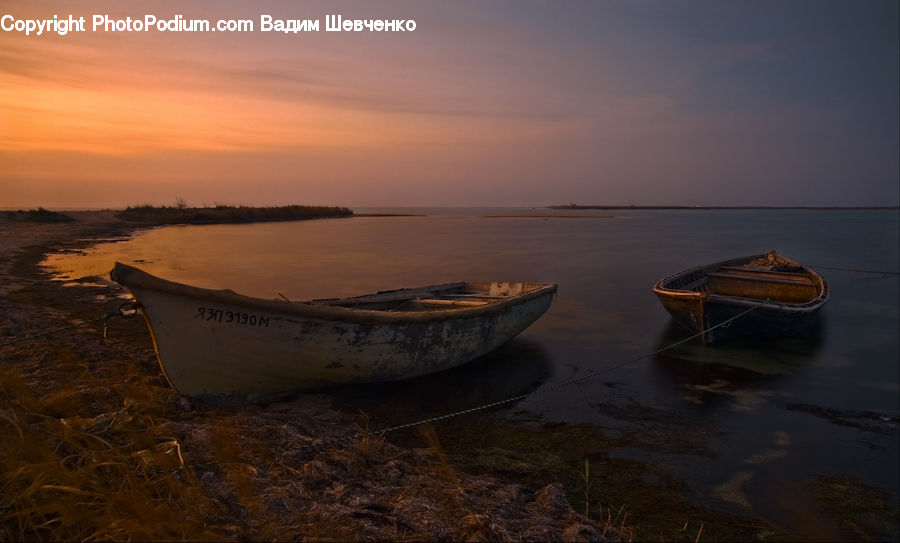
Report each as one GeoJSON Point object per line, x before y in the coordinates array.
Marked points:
{"type": "Point", "coordinates": [741, 102]}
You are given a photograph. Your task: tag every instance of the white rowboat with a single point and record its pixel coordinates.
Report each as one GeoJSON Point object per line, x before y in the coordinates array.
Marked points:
{"type": "Point", "coordinates": [223, 346]}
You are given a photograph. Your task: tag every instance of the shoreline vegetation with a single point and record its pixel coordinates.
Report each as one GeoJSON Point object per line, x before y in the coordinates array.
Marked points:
{"type": "Point", "coordinates": [222, 214]}
{"type": "Point", "coordinates": [97, 446]}
{"type": "Point", "coordinates": [40, 215]}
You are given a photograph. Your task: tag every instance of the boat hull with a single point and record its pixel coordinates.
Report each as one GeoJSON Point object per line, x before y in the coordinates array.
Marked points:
{"type": "Point", "coordinates": [223, 346]}
{"type": "Point", "coordinates": [748, 296]}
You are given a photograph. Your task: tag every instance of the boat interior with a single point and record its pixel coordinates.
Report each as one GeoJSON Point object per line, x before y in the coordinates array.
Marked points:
{"type": "Point", "coordinates": [447, 296]}
{"type": "Point", "coordinates": [776, 284]}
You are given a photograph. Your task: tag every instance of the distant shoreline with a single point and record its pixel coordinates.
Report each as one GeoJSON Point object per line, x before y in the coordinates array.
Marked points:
{"type": "Point", "coordinates": [389, 215]}
{"type": "Point", "coordinates": [814, 208]}
{"type": "Point", "coordinates": [221, 214]}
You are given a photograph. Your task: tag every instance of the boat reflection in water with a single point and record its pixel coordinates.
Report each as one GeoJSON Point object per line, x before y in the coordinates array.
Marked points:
{"type": "Point", "coordinates": [512, 370]}
{"type": "Point", "coordinates": [731, 368]}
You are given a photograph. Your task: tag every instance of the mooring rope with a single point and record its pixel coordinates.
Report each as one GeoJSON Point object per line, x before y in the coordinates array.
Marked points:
{"type": "Point", "coordinates": [874, 272]}
{"type": "Point", "coordinates": [126, 310]}
{"type": "Point", "coordinates": [544, 390]}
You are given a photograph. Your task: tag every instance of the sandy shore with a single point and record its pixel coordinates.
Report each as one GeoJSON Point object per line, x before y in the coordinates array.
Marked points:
{"type": "Point", "coordinates": [81, 405]}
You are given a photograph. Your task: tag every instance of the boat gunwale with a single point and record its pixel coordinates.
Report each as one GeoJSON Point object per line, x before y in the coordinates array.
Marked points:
{"type": "Point", "coordinates": [132, 277]}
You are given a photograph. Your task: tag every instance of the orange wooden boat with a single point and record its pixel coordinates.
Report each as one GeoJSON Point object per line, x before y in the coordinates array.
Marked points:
{"type": "Point", "coordinates": [781, 295]}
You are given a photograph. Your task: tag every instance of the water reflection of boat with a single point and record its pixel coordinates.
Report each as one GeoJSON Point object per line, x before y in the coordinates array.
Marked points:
{"type": "Point", "coordinates": [220, 345]}
{"type": "Point", "coordinates": [741, 358]}
{"type": "Point", "coordinates": [739, 372]}
{"type": "Point", "coordinates": [507, 373]}
{"type": "Point", "coordinates": [770, 294]}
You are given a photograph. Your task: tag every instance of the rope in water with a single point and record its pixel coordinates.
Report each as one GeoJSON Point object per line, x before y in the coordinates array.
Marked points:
{"type": "Point", "coordinates": [544, 390]}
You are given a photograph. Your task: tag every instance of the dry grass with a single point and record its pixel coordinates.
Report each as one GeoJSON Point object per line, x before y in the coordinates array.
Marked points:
{"type": "Point", "coordinates": [118, 475]}
{"type": "Point", "coordinates": [154, 468]}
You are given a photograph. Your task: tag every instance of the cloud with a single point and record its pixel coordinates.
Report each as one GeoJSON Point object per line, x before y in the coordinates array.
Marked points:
{"type": "Point", "coordinates": [626, 102]}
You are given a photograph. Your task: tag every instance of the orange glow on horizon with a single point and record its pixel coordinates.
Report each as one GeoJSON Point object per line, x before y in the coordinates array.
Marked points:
{"type": "Point", "coordinates": [110, 119]}
{"type": "Point", "coordinates": [117, 121]}
{"type": "Point", "coordinates": [485, 103]}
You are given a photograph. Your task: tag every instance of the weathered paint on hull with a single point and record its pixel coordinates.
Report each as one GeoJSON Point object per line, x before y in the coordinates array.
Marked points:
{"type": "Point", "coordinates": [687, 311]}
{"type": "Point", "coordinates": [220, 349]}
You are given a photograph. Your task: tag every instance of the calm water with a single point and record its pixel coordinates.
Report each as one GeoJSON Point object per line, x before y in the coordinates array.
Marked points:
{"type": "Point", "coordinates": [766, 439]}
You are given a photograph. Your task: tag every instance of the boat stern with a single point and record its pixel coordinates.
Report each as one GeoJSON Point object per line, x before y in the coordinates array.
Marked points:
{"type": "Point", "coordinates": [685, 307]}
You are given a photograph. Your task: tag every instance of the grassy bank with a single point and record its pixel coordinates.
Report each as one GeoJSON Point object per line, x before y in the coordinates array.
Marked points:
{"type": "Point", "coordinates": [182, 214]}
{"type": "Point", "coordinates": [38, 215]}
